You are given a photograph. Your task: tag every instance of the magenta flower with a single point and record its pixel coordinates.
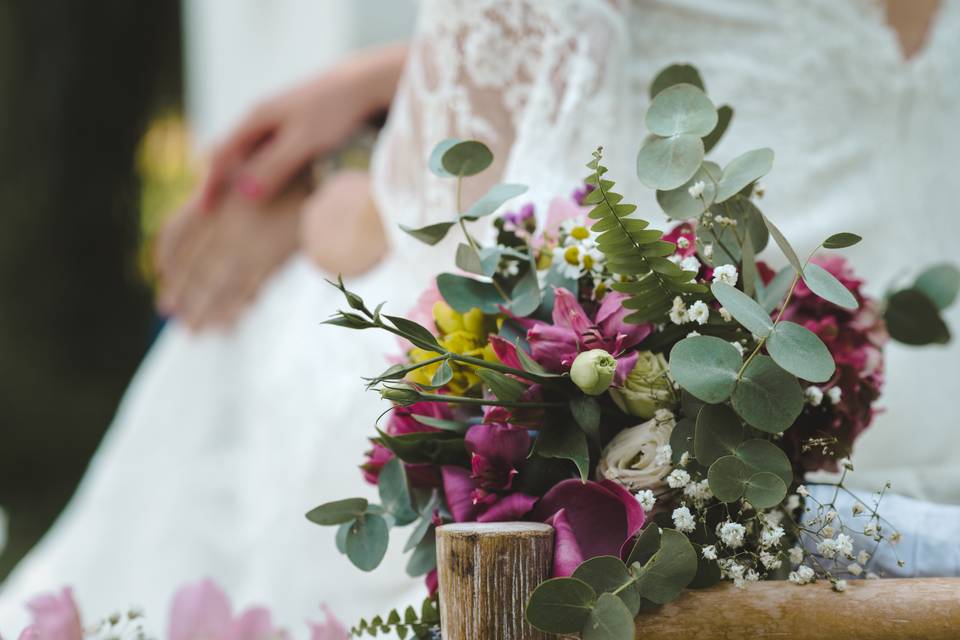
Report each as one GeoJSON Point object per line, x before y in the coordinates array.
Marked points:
{"type": "Point", "coordinates": [54, 617]}
{"type": "Point", "coordinates": [402, 422]}
{"type": "Point", "coordinates": [482, 493]}
{"type": "Point", "coordinates": [590, 518]}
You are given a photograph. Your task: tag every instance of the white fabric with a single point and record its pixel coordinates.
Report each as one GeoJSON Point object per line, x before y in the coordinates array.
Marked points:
{"type": "Point", "coordinates": [224, 441]}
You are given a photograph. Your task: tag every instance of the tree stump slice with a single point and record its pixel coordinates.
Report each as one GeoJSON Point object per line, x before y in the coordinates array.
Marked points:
{"type": "Point", "coordinates": [486, 573]}
{"type": "Point", "coordinates": [927, 608]}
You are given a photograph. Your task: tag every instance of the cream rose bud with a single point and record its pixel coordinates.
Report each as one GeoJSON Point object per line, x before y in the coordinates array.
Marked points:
{"type": "Point", "coordinates": [647, 388]}
{"type": "Point", "coordinates": [631, 457]}
{"type": "Point", "coordinates": [593, 371]}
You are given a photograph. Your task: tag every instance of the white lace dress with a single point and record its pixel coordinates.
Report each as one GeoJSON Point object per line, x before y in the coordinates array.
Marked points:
{"type": "Point", "coordinates": [224, 441]}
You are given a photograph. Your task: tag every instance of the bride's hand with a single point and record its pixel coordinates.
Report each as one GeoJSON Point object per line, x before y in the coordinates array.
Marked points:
{"type": "Point", "coordinates": [281, 136]}
{"type": "Point", "coordinates": [211, 266]}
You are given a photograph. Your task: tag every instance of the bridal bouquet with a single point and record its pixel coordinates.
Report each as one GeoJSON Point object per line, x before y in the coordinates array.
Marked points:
{"type": "Point", "coordinates": [656, 397]}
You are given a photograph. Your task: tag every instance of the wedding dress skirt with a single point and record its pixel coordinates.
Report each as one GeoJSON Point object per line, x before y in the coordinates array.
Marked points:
{"type": "Point", "coordinates": [224, 441]}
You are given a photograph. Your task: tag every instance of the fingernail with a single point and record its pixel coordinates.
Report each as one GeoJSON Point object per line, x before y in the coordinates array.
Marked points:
{"type": "Point", "coordinates": [249, 187]}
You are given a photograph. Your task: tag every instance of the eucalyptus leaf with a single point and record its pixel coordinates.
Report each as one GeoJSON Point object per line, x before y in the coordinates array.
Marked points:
{"type": "Point", "coordinates": [466, 158]}
{"type": "Point", "coordinates": [670, 570]}
{"type": "Point", "coordinates": [706, 366]}
{"type": "Point", "coordinates": [367, 541]}
{"type": "Point", "coordinates": [724, 116]}
{"type": "Point", "coordinates": [423, 560]}
{"type": "Point", "coordinates": [430, 234]}
{"type": "Point", "coordinates": [647, 544]}
{"type": "Point", "coordinates": [681, 109]}
{"type": "Point", "coordinates": [726, 477]}
{"type": "Point", "coordinates": [940, 283]}
{"type": "Point", "coordinates": [341, 538]}
{"type": "Point", "coordinates": [610, 619]}
{"type": "Point", "coordinates": [841, 240]}
{"type": "Point", "coordinates": [679, 204]}
{"type": "Point", "coordinates": [743, 170]}
{"type": "Point", "coordinates": [436, 156]}
{"type": "Point", "coordinates": [764, 490]}
{"type": "Point", "coordinates": [586, 411]}
{"type": "Point", "coordinates": [560, 605]}
{"type": "Point", "coordinates": [667, 163]}
{"type": "Point", "coordinates": [784, 245]}
{"type": "Point", "coordinates": [493, 199]}
{"type": "Point", "coordinates": [824, 284]}
{"type": "Point", "coordinates": [673, 75]}
{"type": "Point", "coordinates": [776, 290]}
{"type": "Point", "coordinates": [423, 526]}
{"type": "Point", "coordinates": [525, 297]}
{"type": "Point", "coordinates": [682, 439]}
{"type": "Point", "coordinates": [469, 260]}
{"type": "Point", "coordinates": [338, 511]}
{"type": "Point", "coordinates": [744, 310]}
{"type": "Point", "coordinates": [606, 574]}
{"type": "Point", "coordinates": [718, 433]}
{"type": "Point", "coordinates": [464, 294]}
{"type": "Point", "coordinates": [913, 318]}
{"type": "Point", "coordinates": [564, 440]}
{"type": "Point", "coordinates": [767, 397]}
{"type": "Point", "coordinates": [433, 447]}
{"type": "Point", "coordinates": [395, 493]}
{"type": "Point", "coordinates": [442, 375]}
{"type": "Point", "coordinates": [762, 455]}
{"type": "Point", "coordinates": [801, 352]}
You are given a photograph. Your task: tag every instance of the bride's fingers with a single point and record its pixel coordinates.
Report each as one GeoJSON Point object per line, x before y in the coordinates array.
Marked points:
{"type": "Point", "coordinates": [273, 167]}
{"type": "Point", "coordinates": [259, 125]}
{"type": "Point", "coordinates": [172, 234]}
{"type": "Point", "coordinates": [186, 267]}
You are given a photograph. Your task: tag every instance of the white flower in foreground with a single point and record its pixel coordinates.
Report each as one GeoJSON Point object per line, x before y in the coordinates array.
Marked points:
{"type": "Point", "coordinates": [770, 561]}
{"type": "Point", "coordinates": [664, 454]}
{"type": "Point", "coordinates": [802, 575]}
{"type": "Point", "coordinates": [696, 189]}
{"type": "Point", "coordinates": [699, 492]}
{"type": "Point", "coordinates": [699, 312]}
{"type": "Point", "coordinates": [731, 534]}
{"type": "Point", "coordinates": [830, 515]}
{"type": "Point", "coordinates": [854, 569]}
{"type": "Point", "coordinates": [708, 251]}
{"type": "Point", "coordinates": [678, 479]}
{"type": "Point", "coordinates": [682, 242]}
{"type": "Point", "coordinates": [834, 394]}
{"type": "Point", "coordinates": [683, 520]}
{"type": "Point", "coordinates": [856, 509]}
{"type": "Point", "coordinates": [690, 263]}
{"type": "Point", "coordinates": [684, 458]}
{"type": "Point", "coordinates": [709, 552]}
{"type": "Point", "coordinates": [802, 490]}
{"type": "Point", "coordinates": [726, 315]}
{"type": "Point", "coordinates": [870, 529]}
{"type": "Point", "coordinates": [793, 502]}
{"type": "Point", "coordinates": [678, 313]}
{"type": "Point", "coordinates": [796, 555]}
{"type": "Point", "coordinates": [827, 531]}
{"type": "Point", "coordinates": [694, 334]}
{"type": "Point", "coordinates": [840, 586]}
{"type": "Point", "coordinates": [646, 499]}
{"type": "Point", "coordinates": [727, 274]}
{"type": "Point", "coordinates": [863, 557]}
{"type": "Point", "coordinates": [814, 396]}
{"type": "Point", "coordinates": [631, 457]}
{"type": "Point", "coordinates": [895, 537]}
{"type": "Point", "coordinates": [845, 545]}
{"type": "Point", "coordinates": [771, 537]}
{"type": "Point", "coordinates": [845, 463]}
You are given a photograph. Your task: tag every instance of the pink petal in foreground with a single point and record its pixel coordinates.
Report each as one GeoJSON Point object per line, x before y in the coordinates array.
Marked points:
{"type": "Point", "coordinates": [508, 508]}
{"type": "Point", "coordinates": [253, 624]}
{"type": "Point", "coordinates": [458, 487]}
{"type": "Point", "coordinates": [199, 610]}
{"type": "Point", "coordinates": [330, 629]}
{"type": "Point", "coordinates": [568, 313]}
{"type": "Point", "coordinates": [55, 617]}
{"type": "Point", "coordinates": [566, 552]}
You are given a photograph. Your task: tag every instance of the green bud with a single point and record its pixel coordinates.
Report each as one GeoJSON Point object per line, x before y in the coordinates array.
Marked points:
{"type": "Point", "coordinates": [648, 387]}
{"type": "Point", "coordinates": [593, 371]}
{"type": "Point", "coordinates": [402, 394]}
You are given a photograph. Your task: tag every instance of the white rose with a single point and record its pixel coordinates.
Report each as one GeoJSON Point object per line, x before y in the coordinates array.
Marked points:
{"type": "Point", "coordinates": [631, 457]}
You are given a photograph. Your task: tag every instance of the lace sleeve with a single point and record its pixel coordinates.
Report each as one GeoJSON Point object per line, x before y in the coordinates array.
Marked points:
{"type": "Point", "coordinates": [522, 76]}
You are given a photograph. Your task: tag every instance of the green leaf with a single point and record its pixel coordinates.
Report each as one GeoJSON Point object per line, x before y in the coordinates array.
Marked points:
{"type": "Point", "coordinates": [394, 492]}
{"type": "Point", "coordinates": [681, 109]}
{"type": "Point", "coordinates": [341, 539]}
{"type": "Point", "coordinates": [586, 411]}
{"type": "Point", "coordinates": [761, 455]}
{"type": "Point", "coordinates": [442, 375]}
{"type": "Point", "coordinates": [775, 292]}
{"type": "Point", "coordinates": [417, 333]}
{"type": "Point", "coordinates": [841, 240]}
{"type": "Point", "coordinates": [610, 619]}
{"type": "Point", "coordinates": [469, 260]}
{"type": "Point", "coordinates": [423, 526]}
{"type": "Point", "coordinates": [532, 366]}
{"type": "Point", "coordinates": [670, 570]}
{"type": "Point", "coordinates": [727, 477]}
{"type": "Point", "coordinates": [825, 285]}
{"type": "Point", "coordinates": [940, 283]}
{"type": "Point", "coordinates": [564, 440]}
{"type": "Point", "coordinates": [784, 245]}
{"type": "Point", "coordinates": [718, 433]}
{"type": "Point", "coordinates": [434, 447]}
{"type": "Point", "coordinates": [430, 234]}
{"type": "Point", "coordinates": [525, 297]}
{"type": "Point", "coordinates": [493, 199]}
{"type": "Point", "coordinates": [705, 366]}
{"type": "Point", "coordinates": [744, 310]}
{"type": "Point", "coordinates": [338, 512]}
{"type": "Point", "coordinates": [667, 163]}
{"type": "Point", "coordinates": [606, 574]}
{"type": "Point", "coordinates": [743, 170]}
{"type": "Point", "coordinates": [423, 560]}
{"type": "Point", "coordinates": [436, 157]}
{"type": "Point", "coordinates": [724, 116]}
{"type": "Point", "coordinates": [682, 439]}
{"type": "Point", "coordinates": [673, 75]}
{"type": "Point", "coordinates": [504, 388]}
{"type": "Point", "coordinates": [679, 204]}
{"type": "Point", "coordinates": [464, 294]}
{"type": "Point", "coordinates": [466, 158]}
{"type": "Point", "coordinates": [708, 573]}
{"type": "Point", "coordinates": [764, 490]}
{"type": "Point", "coordinates": [560, 605]}
{"type": "Point", "coordinates": [801, 352]}
{"type": "Point", "coordinates": [913, 318]}
{"type": "Point", "coordinates": [367, 541]}
{"type": "Point", "coordinates": [647, 544]}
{"type": "Point", "coordinates": [444, 425]}
{"type": "Point", "coordinates": [767, 397]}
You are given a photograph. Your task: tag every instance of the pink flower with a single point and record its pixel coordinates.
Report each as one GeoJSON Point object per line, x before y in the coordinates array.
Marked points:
{"type": "Point", "coordinates": [685, 231]}
{"type": "Point", "coordinates": [591, 519]}
{"type": "Point", "coordinates": [331, 629]}
{"type": "Point", "coordinates": [201, 611]}
{"type": "Point", "coordinates": [55, 617]}
{"type": "Point", "coordinates": [402, 422]}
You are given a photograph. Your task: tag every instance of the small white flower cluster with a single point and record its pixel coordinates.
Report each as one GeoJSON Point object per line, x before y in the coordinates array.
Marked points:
{"type": "Point", "coordinates": [727, 274]}
{"type": "Point", "coordinates": [696, 189]}
{"type": "Point", "coordinates": [731, 534]}
{"type": "Point", "coordinates": [841, 546]}
{"type": "Point", "coordinates": [740, 574]}
{"type": "Point", "coordinates": [678, 478]}
{"type": "Point", "coordinates": [802, 575]}
{"type": "Point", "coordinates": [698, 492]}
{"type": "Point", "coordinates": [814, 395]}
{"type": "Point", "coordinates": [646, 499]}
{"type": "Point", "coordinates": [698, 312]}
{"type": "Point", "coordinates": [663, 455]}
{"type": "Point", "coordinates": [683, 520]}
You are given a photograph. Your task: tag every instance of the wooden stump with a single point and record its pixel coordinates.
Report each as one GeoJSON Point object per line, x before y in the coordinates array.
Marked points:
{"type": "Point", "coordinates": [486, 573]}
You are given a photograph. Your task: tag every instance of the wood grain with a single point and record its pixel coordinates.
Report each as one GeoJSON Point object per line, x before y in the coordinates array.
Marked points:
{"type": "Point", "coordinates": [486, 573]}
{"type": "Point", "coordinates": [927, 608]}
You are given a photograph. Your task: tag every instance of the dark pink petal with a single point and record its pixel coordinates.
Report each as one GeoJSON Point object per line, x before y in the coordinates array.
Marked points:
{"type": "Point", "coordinates": [505, 352]}
{"type": "Point", "coordinates": [458, 487]}
{"type": "Point", "coordinates": [499, 443]}
{"type": "Point", "coordinates": [432, 583]}
{"type": "Point", "coordinates": [551, 346]}
{"type": "Point", "coordinates": [610, 317]}
{"type": "Point", "coordinates": [506, 509]}
{"type": "Point", "coordinates": [566, 552]}
{"type": "Point", "coordinates": [199, 610]}
{"type": "Point", "coordinates": [625, 365]}
{"type": "Point", "coordinates": [568, 313]}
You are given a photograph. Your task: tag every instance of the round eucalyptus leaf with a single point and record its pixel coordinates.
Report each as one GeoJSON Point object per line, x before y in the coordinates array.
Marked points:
{"type": "Point", "coordinates": [676, 74]}
{"type": "Point", "coordinates": [764, 490]}
{"type": "Point", "coordinates": [670, 570]}
{"type": "Point", "coordinates": [724, 116]}
{"type": "Point", "coordinates": [367, 541]}
{"type": "Point", "coordinates": [913, 318]}
{"type": "Point", "coordinates": [606, 574]}
{"type": "Point", "coordinates": [666, 163]}
{"type": "Point", "coordinates": [705, 366]}
{"type": "Point", "coordinates": [679, 204]}
{"type": "Point", "coordinates": [435, 162]}
{"type": "Point", "coordinates": [801, 352]}
{"type": "Point", "coordinates": [682, 108]}
{"type": "Point", "coordinates": [825, 285]}
{"type": "Point", "coordinates": [841, 240]}
{"type": "Point", "coordinates": [718, 433]}
{"type": "Point", "coordinates": [560, 605]}
{"type": "Point", "coordinates": [682, 439]}
{"type": "Point", "coordinates": [466, 158]}
{"type": "Point", "coordinates": [610, 619]}
{"type": "Point", "coordinates": [743, 170]}
{"type": "Point", "coordinates": [767, 397]}
{"type": "Point", "coordinates": [940, 283]}
{"type": "Point", "coordinates": [726, 477]}
{"type": "Point", "coordinates": [338, 512]}
{"type": "Point", "coordinates": [762, 455]}
{"type": "Point", "coordinates": [743, 309]}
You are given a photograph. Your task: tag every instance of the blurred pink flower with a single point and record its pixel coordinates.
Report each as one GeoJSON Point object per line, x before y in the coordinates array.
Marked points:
{"type": "Point", "coordinates": [202, 611]}
{"type": "Point", "coordinates": [330, 629]}
{"type": "Point", "coordinates": [54, 617]}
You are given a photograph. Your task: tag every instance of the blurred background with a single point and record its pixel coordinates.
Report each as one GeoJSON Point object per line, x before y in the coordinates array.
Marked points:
{"type": "Point", "coordinates": [106, 108]}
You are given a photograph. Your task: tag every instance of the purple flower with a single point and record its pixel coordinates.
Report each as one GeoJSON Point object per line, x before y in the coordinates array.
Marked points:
{"type": "Point", "coordinates": [517, 220]}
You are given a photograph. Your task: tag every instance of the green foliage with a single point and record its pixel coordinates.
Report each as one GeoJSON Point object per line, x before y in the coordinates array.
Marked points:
{"type": "Point", "coordinates": [670, 569]}
{"type": "Point", "coordinates": [705, 366]}
{"type": "Point", "coordinates": [608, 574]}
{"type": "Point", "coordinates": [338, 511]}
{"type": "Point", "coordinates": [718, 433]}
{"type": "Point", "coordinates": [801, 352]}
{"type": "Point", "coordinates": [421, 625]}
{"type": "Point", "coordinates": [913, 318]}
{"type": "Point", "coordinates": [586, 412]}
{"type": "Point", "coordinates": [767, 397]}
{"type": "Point", "coordinates": [673, 75]}
{"type": "Point", "coordinates": [841, 240]}
{"type": "Point", "coordinates": [824, 284]}
{"type": "Point", "coordinates": [784, 245]}
{"type": "Point", "coordinates": [560, 605]}
{"type": "Point", "coordinates": [940, 283]}
{"type": "Point", "coordinates": [679, 204]}
{"type": "Point", "coordinates": [503, 387]}
{"type": "Point", "coordinates": [565, 440]}
{"type": "Point", "coordinates": [434, 447]}
{"type": "Point", "coordinates": [724, 116]}
{"type": "Point", "coordinates": [743, 309]}
{"type": "Point", "coordinates": [466, 158]}
{"type": "Point", "coordinates": [367, 541]}
{"type": "Point", "coordinates": [742, 171]}
{"type": "Point", "coordinates": [395, 493]}
{"type": "Point", "coordinates": [610, 619]}
{"type": "Point", "coordinates": [764, 490]}
{"type": "Point", "coordinates": [633, 250]}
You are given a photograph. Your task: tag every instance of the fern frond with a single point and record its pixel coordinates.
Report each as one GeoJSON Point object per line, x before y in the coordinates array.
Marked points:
{"type": "Point", "coordinates": [633, 250]}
